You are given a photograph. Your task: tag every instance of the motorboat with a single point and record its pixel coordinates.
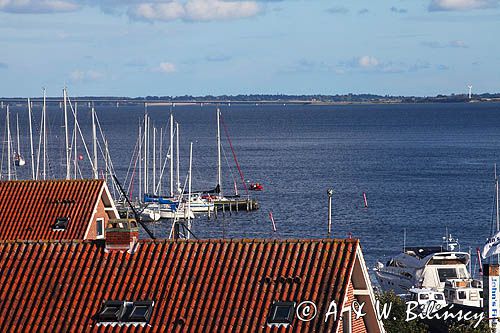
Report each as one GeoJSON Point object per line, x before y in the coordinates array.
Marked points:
{"type": "Point", "coordinates": [439, 268]}
{"type": "Point", "coordinates": [426, 298]}
{"type": "Point", "coordinates": [256, 187]}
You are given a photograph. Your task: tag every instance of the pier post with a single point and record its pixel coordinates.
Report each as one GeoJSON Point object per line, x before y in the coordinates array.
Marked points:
{"type": "Point", "coordinates": [330, 194]}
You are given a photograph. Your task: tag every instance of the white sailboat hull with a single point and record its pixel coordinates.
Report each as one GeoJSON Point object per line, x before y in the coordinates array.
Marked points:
{"type": "Point", "coordinates": [181, 213]}
{"type": "Point", "coordinates": [151, 214]}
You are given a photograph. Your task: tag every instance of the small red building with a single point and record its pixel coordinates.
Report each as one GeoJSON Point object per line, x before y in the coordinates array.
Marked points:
{"type": "Point", "coordinates": [55, 209]}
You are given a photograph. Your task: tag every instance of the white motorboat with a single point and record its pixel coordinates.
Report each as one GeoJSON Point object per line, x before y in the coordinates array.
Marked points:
{"type": "Point", "coordinates": [427, 298]}
{"type": "Point", "coordinates": [442, 268]}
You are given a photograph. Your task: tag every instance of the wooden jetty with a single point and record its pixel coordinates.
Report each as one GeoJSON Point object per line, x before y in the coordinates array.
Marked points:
{"type": "Point", "coordinates": [236, 204]}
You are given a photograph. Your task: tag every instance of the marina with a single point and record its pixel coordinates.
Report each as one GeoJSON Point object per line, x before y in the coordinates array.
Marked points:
{"type": "Point", "coordinates": [249, 166]}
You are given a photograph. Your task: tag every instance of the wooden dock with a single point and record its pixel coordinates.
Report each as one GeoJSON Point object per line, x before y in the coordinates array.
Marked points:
{"type": "Point", "coordinates": [235, 205]}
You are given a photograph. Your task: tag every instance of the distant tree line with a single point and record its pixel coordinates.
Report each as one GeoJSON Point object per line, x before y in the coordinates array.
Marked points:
{"type": "Point", "coordinates": [282, 98]}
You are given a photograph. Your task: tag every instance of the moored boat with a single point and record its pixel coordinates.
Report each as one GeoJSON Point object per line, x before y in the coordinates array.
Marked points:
{"type": "Point", "coordinates": [439, 268]}
{"type": "Point", "coordinates": [256, 187]}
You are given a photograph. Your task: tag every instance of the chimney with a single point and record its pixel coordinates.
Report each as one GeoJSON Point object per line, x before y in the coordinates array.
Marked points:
{"type": "Point", "coordinates": [122, 235]}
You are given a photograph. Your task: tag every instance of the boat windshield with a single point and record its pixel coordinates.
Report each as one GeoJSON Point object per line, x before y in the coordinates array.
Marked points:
{"type": "Point", "coordinates": [447, 273]}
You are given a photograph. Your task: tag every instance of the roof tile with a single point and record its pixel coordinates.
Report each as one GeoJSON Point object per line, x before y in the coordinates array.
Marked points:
{"type": "Point", "coordinates": [207, 285]}
{"type": "Point", "coordinates": [29, 209]}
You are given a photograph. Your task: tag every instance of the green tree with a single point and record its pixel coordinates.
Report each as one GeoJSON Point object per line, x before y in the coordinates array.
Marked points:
{"type": "Point", "coordinates": [468, 327]}
{"type": "Point", "coordinates": [396, 321]}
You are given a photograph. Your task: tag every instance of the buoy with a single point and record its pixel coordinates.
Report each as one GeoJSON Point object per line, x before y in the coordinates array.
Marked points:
{"type": "Point", "coordinates": [366, 202]}
{"type": "Point", "coordinates": [80, 157]}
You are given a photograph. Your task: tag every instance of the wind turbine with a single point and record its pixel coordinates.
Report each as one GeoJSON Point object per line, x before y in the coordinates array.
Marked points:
{"type": "Point", "coordinates": [470, 92]}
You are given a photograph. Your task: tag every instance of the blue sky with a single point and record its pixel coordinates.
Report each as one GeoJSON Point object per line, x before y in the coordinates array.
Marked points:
{"type": "Point", "coordinates": [199, 47]}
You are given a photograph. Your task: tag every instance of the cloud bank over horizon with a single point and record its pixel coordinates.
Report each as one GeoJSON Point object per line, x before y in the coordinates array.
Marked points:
{"type": "Point", "coordinates": [194, 10]}
{"type": "Point", "coordinates": [149, 10]}
{"type": "Point", "coordinates": [201, 47]}
{"type": "Point", "coordinates": [461, 5]}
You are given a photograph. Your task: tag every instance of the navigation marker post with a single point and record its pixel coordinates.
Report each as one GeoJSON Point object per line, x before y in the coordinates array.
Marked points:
{"type": "Point", "coordinates": [330, 194]}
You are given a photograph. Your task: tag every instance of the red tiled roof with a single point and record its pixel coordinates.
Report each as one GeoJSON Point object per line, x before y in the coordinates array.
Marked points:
{"type": "Point", "coordinates": [210, 285]}
{"type": "Point", "coordinates": [29, 209]}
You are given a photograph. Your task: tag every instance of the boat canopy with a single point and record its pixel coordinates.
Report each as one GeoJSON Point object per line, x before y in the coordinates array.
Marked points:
{"type": "Point", "coordinates": [159, 199]}
{"type": "Point", "coordinates": [422, 252]}
{"type": "Point", "coordinates": [447, 258]}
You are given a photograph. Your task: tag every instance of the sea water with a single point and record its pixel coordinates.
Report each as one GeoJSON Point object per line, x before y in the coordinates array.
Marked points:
{"type": "Point", "coordinates": [423, 167]}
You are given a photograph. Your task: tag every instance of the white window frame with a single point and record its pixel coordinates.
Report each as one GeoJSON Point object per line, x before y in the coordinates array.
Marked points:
{"type": "Point", "coordinates": [97, 221]}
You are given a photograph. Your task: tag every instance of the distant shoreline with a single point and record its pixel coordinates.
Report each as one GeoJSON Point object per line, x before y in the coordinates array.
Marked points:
{"type": "Point", "coordinates": [338, 100]}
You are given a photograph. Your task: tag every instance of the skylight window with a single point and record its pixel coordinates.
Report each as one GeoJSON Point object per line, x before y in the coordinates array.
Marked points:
{"type": "Point", "coordinates": [141, 311]}
{"type": "Point", "coordinates": [61, 224]}
{"type": "Point", "coordinates": [281, 313]}
{"type": "Point", "coordinates": [112, 311]}
{"type": "Point", "coordinates": [124, 312]}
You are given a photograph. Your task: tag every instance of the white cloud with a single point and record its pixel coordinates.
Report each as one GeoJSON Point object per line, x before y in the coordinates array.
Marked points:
{"type": "Point", "coordinates": [157, 12]}
{"type": "Point", "coordinates": [368, 61]}
{"type": "Point", "coordinates": [194, 10]}
{"type": "Point", "coordinates": [445, 5]}
{"type": "Point", "coordinates": [166, 67]}
{"type": "Point", "coordinates": [38, 6]}
{"type": "Point", "coordinates": [454, 44]}
{"type": "Point", "coordinates": [338, 10]}
{"type": "Point", "coordinates": [89, 75]}
{"type": "Point", "coordinates": [370, 64]}
{"type": "Point", "coordinates": [459, 44]}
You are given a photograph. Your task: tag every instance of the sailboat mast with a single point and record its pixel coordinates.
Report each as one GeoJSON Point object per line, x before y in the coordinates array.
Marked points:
{"type": "Point", "coordinates": [106, 159]}
{"type": "Point", "coordinates": [31, 141]}
{"type": "Point", "coordinates": [154, 160]}
{"type": "Point", "coordinates": [140, 168]}
{"type": "Point", "coordinates": [40, 140]}
{"type": "Point", "coordinates": [9, 158]}
{"type": "Point", "coordinates": [161, 161]}
{"type": "Point", "coordinates": [44, 115]}
{"type": "Point", "coordinates": [74, 143]}
{"type": "Point", "coordinates": [145, 151]}
{"type": "Point", "coordinates": [497, 206]}
{"type": "Point", "coordinates": [219, 176]}
{"type": "Point", "coordinates": [66, 134]}
{"type": "Point", "coordinates": [177, 156]}
{"type": "Point", "coordinates": [189, 190]}
{"type": "Point", "coordinates": [94, 140]}
{"type": "Point", "coordinates": [17, 132]}
{"type": "Point", "coordinates": [171, 154]}
{"type": "Point", "coordinates": [148, 132]}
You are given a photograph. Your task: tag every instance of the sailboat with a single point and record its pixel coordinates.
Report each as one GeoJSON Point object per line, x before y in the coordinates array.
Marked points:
{"type": "Point", "coordinates": [18, 159]}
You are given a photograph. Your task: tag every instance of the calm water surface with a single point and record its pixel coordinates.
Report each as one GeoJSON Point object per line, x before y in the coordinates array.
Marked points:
{"type": "Point", "coordinates": [423, 167]}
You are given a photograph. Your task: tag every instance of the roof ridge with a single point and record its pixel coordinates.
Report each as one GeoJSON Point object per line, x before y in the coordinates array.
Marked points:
{"type": "Point", "coordinates": [52, 180]}
{"type": "Point", "coordinates": [181, 241]}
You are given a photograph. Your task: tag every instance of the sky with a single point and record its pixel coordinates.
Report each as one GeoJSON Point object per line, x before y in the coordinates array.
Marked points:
{"type": "Point", "coordinates": [201, 47]}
